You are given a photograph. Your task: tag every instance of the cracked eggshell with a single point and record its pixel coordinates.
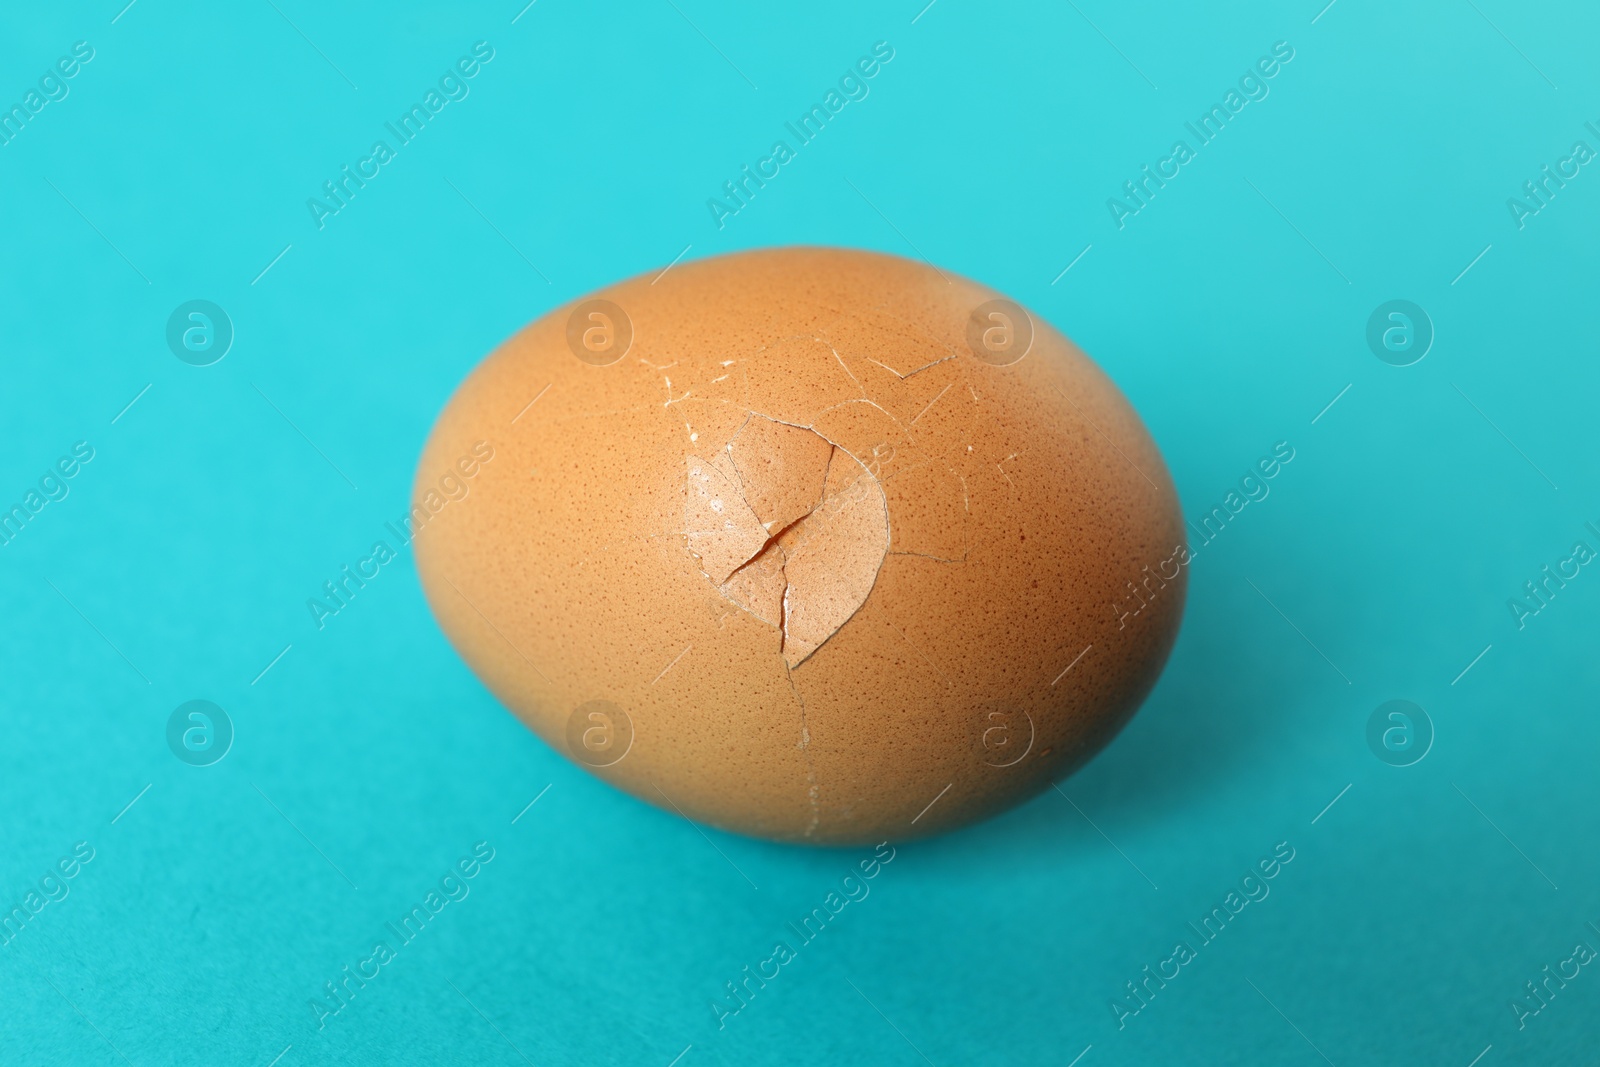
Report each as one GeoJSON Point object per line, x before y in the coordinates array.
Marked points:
{"type": "Point", "coordinates": [795, 543]}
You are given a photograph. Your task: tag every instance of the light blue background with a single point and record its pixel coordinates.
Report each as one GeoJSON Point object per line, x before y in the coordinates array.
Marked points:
{"type": "Point", "coordinates": [1411, 915]}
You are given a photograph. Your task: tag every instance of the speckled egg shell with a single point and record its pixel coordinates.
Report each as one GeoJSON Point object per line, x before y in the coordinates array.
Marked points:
{"type": "Point", "coordinates": [813, 544]}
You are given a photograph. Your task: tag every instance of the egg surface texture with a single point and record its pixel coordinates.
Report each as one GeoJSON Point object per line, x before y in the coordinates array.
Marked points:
{"type": "Point", "coordinates": [812, 544]}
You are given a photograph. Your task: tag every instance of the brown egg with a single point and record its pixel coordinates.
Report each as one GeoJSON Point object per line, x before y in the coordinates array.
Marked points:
{"type": "Point", "coordinates": [814, 544]}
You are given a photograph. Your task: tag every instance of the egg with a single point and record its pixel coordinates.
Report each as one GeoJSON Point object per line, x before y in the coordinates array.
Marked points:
{"type": "Point", "coordinates": [812, 544]}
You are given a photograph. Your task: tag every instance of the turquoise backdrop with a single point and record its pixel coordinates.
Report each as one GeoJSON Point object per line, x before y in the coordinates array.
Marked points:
{"type": "Point", "coordinates": [1435, 888]}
